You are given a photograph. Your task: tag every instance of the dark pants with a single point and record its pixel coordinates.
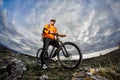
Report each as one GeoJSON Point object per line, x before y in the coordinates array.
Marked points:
{"type": "Point", "coordinates": [46, 43]}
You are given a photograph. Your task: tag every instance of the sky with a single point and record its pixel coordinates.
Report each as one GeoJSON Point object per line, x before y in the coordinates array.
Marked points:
{"type": "Point", "coordinates": [93, 25]}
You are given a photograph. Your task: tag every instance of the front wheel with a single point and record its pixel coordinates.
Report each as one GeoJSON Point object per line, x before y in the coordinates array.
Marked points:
{"type": "Point", "coordinates": [69, 55]}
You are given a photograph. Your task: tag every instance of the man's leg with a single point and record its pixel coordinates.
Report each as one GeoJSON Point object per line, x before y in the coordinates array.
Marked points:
{"type": "Point", "coordinates": [45, 48]}
{"type": "Point", "coordinates": [56, 44]}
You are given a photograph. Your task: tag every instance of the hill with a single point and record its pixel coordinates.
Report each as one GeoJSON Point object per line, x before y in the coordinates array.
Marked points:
{"type": "Point", "coordinates": [109, 63]}
{"type": "Point", "coordinates": [20, 66]}
{"type": "Point", "coordinates": [112, 58]}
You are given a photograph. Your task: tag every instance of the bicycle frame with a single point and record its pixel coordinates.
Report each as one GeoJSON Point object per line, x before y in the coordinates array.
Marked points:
{"type": "Point", "coordinates": [60, 46]}
{"type": "Point", "coordinates": [51, 53]}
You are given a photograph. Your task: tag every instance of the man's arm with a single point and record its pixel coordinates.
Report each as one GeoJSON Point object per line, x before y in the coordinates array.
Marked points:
{"type": "Point", "coordinates": [62, 35]}
{"type": "Point", "coordinates": [46, 29]}
{"type": "Point", "coordinates": [56, 33]}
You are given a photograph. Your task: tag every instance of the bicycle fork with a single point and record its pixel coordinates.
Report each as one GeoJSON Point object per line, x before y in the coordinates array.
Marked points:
{"type": "Point", "coordinates": [65, 52]}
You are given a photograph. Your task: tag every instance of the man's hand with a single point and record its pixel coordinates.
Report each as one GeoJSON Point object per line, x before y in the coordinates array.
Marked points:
{"type": "Point", "coordinates": [62, 35]}
{"type": "Point", "coordinates": [51, 32]}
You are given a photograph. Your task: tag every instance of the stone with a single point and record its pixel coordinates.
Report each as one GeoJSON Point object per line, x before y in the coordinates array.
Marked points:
{"type": "Point", "coordinates": [42, 77]}
{"type": "Point", "coordinates": [87, 74]}
{"type": "Point", "coordinates": [12, 69]}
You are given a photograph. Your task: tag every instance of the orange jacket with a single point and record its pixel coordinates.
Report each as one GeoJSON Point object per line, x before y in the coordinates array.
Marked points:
{"type": "Point", "coordinates": [47, 29]}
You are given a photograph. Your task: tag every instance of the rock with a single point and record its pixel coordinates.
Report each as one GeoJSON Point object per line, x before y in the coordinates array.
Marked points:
{"type": "Point", "coordinates": [87, 74]}
{"type": "Point", "coordinates": [43, 77]}
{"type": "Point", "coordinates": [118, 76]}
{"type": "Point", "coordinates": [12, 69]}
{"type": "Point", "coordinates": [2, 70]}
{"type": "Point", "coordinates": [98, 78]}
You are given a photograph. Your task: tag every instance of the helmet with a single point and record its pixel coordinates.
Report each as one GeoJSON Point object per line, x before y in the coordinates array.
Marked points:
{"type": "Point", "coordinates": [54, 20]}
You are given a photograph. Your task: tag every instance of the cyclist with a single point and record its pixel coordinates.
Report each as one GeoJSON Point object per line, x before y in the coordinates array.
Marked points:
{"type": "Point", "coordinates": [49, 39]}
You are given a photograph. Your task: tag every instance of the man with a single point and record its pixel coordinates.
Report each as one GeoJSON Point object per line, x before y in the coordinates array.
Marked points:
{"type": "Point", "coordinates": [49, 39]}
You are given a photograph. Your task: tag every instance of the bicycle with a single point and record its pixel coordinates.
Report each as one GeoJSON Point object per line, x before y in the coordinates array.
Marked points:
{"type": "Point", "coordinates": [68, 54]}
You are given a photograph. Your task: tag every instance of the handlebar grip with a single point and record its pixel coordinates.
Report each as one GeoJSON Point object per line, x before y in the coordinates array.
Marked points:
{"type": "Point", "coordinates": [63, 36]}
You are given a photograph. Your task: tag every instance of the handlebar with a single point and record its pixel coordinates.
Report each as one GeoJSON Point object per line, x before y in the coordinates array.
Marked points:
{"type": "Point", "coordinates": [57, 35]}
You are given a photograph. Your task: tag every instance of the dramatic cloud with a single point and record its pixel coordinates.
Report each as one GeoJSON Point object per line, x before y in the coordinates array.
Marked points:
{"type": "Point", "coordinates": [93, 24]}
{"type": "Point", "coordinates": [0, 2]}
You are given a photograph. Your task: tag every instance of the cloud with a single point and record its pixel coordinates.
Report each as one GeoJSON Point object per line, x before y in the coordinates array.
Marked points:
{"type": "Point", "coordinates": [94, 25]}
{"type": "Point", "coordinates": [0, 2]}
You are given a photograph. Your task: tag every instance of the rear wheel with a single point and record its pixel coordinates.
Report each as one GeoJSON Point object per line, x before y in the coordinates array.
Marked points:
{"type": "Point", "coordinates": [38, 55]}
{"type": "Point", "coordinates": [69, 55]}
{"type": "Point", "coordinates": [45, 57]}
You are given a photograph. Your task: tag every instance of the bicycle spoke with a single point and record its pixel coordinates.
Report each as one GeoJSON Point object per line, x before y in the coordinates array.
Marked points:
{"type": "Point", "coordinates": [69, 55]}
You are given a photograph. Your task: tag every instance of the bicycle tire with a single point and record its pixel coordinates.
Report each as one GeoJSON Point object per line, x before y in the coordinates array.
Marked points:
{"type": "Point", "coordinates": [45, 56]}
{"type": "Point", "coordinates": [79, 61]}
{"type": "Point", "coordinates": [38, 55]}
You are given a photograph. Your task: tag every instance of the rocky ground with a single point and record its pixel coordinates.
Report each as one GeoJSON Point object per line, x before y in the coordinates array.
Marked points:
{"type": "Point", "coordinates": [22, 67]}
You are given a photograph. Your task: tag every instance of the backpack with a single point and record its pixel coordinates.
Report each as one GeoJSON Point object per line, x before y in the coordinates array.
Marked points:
{"type": "Point", "coordinates": [43, 33]}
